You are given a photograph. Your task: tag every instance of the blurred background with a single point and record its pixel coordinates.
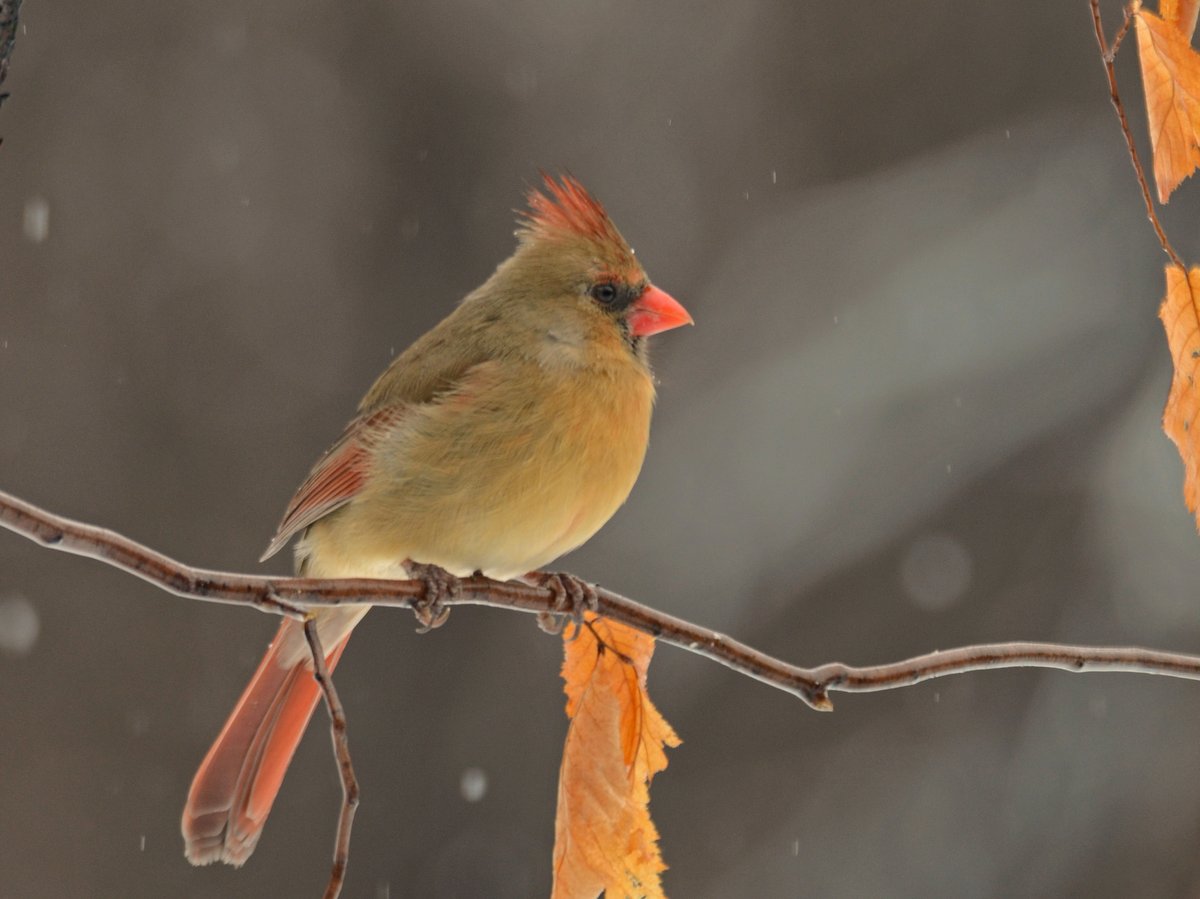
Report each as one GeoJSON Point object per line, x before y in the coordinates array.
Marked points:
{"type": "Point", "coordinates": [920, 408]}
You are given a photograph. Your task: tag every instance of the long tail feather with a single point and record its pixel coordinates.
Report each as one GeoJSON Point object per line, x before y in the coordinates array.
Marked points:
{"type": "Point", "coordinates": [238, 780]}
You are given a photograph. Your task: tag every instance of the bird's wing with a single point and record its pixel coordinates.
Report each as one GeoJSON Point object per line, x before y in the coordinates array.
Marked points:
{"type": "Point", "coordinates": [337, 477]}
{"type": "Point", "coordinates": [442, 362]}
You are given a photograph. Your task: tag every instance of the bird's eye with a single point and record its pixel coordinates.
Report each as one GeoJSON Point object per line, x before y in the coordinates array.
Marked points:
{"type": "Point", "coordinates": [605, 292]}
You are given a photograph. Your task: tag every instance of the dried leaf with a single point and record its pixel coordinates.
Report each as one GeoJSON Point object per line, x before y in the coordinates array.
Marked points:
{"type": "Point", "coordinates": [1180, 316]}
{"type": "Point", "coordinates": [1171, 78]}
{"type": "Point", "coordinates": [604, 839]}
{"type": "Point", "coordinates": [1180, 14]}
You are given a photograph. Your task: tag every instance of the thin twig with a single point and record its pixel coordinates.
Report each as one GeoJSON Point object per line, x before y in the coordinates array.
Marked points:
{"type": "Point", "coordinates": [341, 751]}
{"type": "Point", "coordinates": [1111, 55]}
{"type": "Point", "coordinates": [1131, 660]}
{"type": "Point", "coordinates": [1108, 58]}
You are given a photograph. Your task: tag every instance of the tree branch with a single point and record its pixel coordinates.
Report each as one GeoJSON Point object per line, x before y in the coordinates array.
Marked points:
{"type": "Point", "coordinates": [294, 597]}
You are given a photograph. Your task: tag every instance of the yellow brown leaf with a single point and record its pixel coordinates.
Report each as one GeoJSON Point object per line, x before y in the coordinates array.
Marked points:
{"type": "Point", "coordinates": [1171, 78]}
{"type": "Point", "coordinates": [1180, 316]}
{"type": "Point", "coordinates": [1180, 14]}
{"type": "Point", "coordinates": [604, 838]}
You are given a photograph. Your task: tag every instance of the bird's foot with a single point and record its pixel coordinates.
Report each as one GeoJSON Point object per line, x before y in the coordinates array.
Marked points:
{"type": "Point", "coordinates": [440, 585]}
{"type": "Point", "coordinates": [572, 597]}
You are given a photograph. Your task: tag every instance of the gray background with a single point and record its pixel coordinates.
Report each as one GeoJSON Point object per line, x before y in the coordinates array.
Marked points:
{"type": "Point", "coordinates": [919, 409]}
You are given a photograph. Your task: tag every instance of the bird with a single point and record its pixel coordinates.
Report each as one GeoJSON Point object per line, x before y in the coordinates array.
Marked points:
{"type": "Point", "coordinates": [499, 440]}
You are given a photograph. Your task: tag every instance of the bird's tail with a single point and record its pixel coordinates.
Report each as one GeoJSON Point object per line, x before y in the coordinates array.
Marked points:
{"type": "Point", "coordinates": [238, 780]}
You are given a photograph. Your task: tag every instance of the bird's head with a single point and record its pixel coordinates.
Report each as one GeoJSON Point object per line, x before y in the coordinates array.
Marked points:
{"type": "Point", "coordinates": [575, 272]}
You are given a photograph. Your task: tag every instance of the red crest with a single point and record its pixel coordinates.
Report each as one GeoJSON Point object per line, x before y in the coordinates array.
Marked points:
{"type": "Point", "coordinates": [564, 208]}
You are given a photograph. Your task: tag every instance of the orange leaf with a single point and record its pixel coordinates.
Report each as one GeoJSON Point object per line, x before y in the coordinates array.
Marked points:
{"type": "Point", "coordinates": [1180, 14]}
{"type": "Point", "coordinates": [1180, 316]}
{"type": "Point", "coordinates": [604, 839]}
{"type": "Point", "coordinates": [1171, 77]}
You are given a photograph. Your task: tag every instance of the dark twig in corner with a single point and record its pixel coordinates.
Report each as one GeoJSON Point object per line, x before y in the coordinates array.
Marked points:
{"type": "Point", "coordinates": [9, 15]}
{"type": "Point", "coordinates": [294, 597]}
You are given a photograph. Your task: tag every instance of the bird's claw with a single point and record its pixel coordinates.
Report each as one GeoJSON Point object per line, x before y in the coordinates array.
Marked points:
{"type": "Point", "coordinates": [572, 597]}
{"type": "Point", "coordinates": [430, 609]}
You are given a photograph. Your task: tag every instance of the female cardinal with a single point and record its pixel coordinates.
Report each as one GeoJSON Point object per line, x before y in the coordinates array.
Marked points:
{"type": "Point", "coordinates": [501, 439]}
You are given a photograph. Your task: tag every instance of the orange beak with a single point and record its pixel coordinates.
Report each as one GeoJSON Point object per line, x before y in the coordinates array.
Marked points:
{"type": "Point", "coordinates": [655, 311]}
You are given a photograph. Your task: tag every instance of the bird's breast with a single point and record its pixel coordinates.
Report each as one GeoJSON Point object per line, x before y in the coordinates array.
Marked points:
{"type": "Point", "coordinates": [517, 466]}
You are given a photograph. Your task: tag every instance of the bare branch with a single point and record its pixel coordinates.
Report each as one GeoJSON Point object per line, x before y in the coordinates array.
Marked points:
{"type": "Point", "coordinates": [295, 596]}
{"type": "Point", "coordinates": [1108, 58]}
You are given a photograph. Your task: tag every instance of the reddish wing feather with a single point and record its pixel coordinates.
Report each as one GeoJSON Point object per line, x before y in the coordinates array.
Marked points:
{"type": "Point", "coordinates": [336, 479]}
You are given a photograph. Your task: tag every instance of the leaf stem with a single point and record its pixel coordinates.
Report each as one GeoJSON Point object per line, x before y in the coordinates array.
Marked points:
{"type": "Point", "coordinates": [1108, 58]}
